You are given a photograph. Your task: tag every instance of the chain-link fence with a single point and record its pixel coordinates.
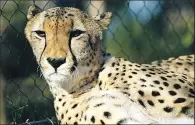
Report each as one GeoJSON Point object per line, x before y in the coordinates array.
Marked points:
{"type": "Point", "coordinates": [141, 31]}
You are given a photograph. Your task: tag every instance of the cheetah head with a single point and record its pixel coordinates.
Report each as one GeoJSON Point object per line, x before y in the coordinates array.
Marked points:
{"type": "Point", "coordinates": [66, 43]}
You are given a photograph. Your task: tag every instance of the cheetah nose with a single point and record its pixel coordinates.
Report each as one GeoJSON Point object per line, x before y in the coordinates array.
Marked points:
{"type": "Point", "coordinates": [56, 62]}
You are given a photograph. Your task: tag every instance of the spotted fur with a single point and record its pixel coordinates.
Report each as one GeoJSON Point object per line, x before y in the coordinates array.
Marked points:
{"type": "Point", "coordinates": [91, 87]}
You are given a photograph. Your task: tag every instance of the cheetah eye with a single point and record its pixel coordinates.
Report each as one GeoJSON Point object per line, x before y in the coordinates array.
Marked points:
{"type": "Point", "coordinates": [40, 33]}
{"type": "Point", "coordinates": [76, 33]}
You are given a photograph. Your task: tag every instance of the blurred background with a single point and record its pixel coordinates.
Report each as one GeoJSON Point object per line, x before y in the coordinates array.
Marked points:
{"type": "Point", "coordinates": [140, 31]}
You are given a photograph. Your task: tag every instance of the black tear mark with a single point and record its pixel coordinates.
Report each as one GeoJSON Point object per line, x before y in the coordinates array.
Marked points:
{"type": "Point", "coordinates": [73, 56]}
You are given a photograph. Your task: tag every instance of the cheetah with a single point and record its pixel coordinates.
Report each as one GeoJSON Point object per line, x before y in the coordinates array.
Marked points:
{"type": "Point", "coordinates": [90, 86]}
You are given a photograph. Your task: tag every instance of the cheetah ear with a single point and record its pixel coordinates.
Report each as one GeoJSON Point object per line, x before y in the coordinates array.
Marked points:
{"type": "Point", "coordinates": [32, 11]}
{"type": "Point", "coordinates": [104, 19]}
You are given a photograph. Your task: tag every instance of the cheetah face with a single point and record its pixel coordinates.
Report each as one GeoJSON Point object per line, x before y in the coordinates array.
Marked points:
{"type": "Point", "coordinates": [65, 42]}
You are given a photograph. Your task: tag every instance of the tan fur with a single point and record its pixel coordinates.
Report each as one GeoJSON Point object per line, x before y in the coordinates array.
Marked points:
{"type": "Point", "coordinates": [57, 37]}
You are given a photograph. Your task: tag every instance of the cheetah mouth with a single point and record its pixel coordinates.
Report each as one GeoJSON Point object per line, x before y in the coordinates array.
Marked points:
{"type": "Point", "coordinates": [57, 74]}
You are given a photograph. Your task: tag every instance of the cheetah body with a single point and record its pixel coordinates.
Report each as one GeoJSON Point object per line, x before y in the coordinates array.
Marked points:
{"type": "Point", "coordinates": [91, 87]}
{"type": "Point", "coordinates": [126, 92]}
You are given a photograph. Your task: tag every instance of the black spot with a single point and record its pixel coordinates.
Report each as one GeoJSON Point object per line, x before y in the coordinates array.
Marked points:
{"type": "Point", "coordinates": [102, 69]}
{"type": "Point", "coordinates": [156, 82]}
{"type": "Point", "coordinates": [77, 115]}
{"type": "Point", "coordinates": [165, 83]}
{"type": "Point", "coordinates": [100, 83]}
{"type": "Point", "coordinates": [102, 122]}
{"type": "Point", "coordinates": [130, 65]}
{"type": "Point", "coordinates": [185, 109]}
{"type": "Point", "coordinates": [137, 65]}
{"type": "Point", "coordinates": [112, 83]}
{"type": "Point", "coordinates": [143, 80]}
{"type": "Point", "coordinates": [66, 111]}
{"type": "Point", "coordinates": [124, 70]}
{"type": "Point", "coordinates": [125, 82]}
{"type": "Point", "coordinates": [181, 80]}
{"type": "Point", "coordinates": [114, 78]}
{"type": "Point", "coordinates": [97, 105]}
{"type": "Point", "coordinates": [168, 109]}
{"type": "Point", "coordinates": [151, 69]}
{"type": "Point", "coordinates": [70, 14]}
{"type": "Point", "coordinates": [69, 118]}
{"type": "Point", "coordinates": [176, 86]}
{"type": "Point", "coordinates": [93, 119]}
{"type": "Point", "coordinates": [184, 77]}
{"type": "Point", "coordinates": [134, 72]}
{"type": "Point", "coordinates": [130, 76]}
{"type": "Point", "coordinates": [148, 75]}
{"type": "Point", "coordinates": [191, 96]}
{"type": "Point", "coordinates": [107, 114]}
{"type": "Point", "coordinates": [143, 69]}
{"type": "Point", "coordinates": [141, 103]}
{"type": "Point", "coordinates": [63, 103]}
{"type": "Point", "coordinates": [123, 74]}
{"type": "Point", "coordinates": [152, 73]}
{"type": "Point", "coordinates": [109, 74]}
{"type": "Point", "coordinates": [57, 108]}
{"type": "Point", "coordinates": [62, 116]}
{"type": "Point", "coordinates": [121, 121]}
{"type": "Point", "coordinates": [102, 16]}
{"type": "Point", "coordinates": [85, 15]}
{"type": "Point", "coordinates": [192, 91]}
{"type": "Point", "coordinates": [85, 117]}
{"type": "Point", "coordinates": [186, 69]}
{"type": "Point", "coordinates": [126, 93]}
{"type": "Point", "coordinates": [161, 100]}
{"type": "Point", "coordinates": [152, 85]}
{"type": "Point", "coordinates": [75, 123]}
{"type": "Point", "coordinates": [113, 64]}
{"type": "Point", "coordinates": [143, 85]}
{"type": "Point", "coordinates": [74, 106]}
{"type": "Point", "coordinates": [190, 63]}
{"type": "Point", "coordinates": [141, 93]}
{"type": "Point", "coordinates": [163, 78]}
{"type": "Point", "coordinates": [60, 99]}
{"type": "Point", "coordinates": [150, 103]}
{"type": "Point", "coordinates": [173, 93]}
{"type": "Point", "coordinates": [117, 68]}
{"type": "Point", "coordinates": [180, 100]}
{"type": "Point", "coordinates": [72, 69]}
{"type": "Point", "coordinates": [178, 63]}
{"type": "Point", "coordinates": [161, 88]}
{"type": "Point", "coordinates": [126, 88]}
{"type": "Point", "coordinates": [155, 93]}
{"type": "Point", "coordinates": [169, 76]}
